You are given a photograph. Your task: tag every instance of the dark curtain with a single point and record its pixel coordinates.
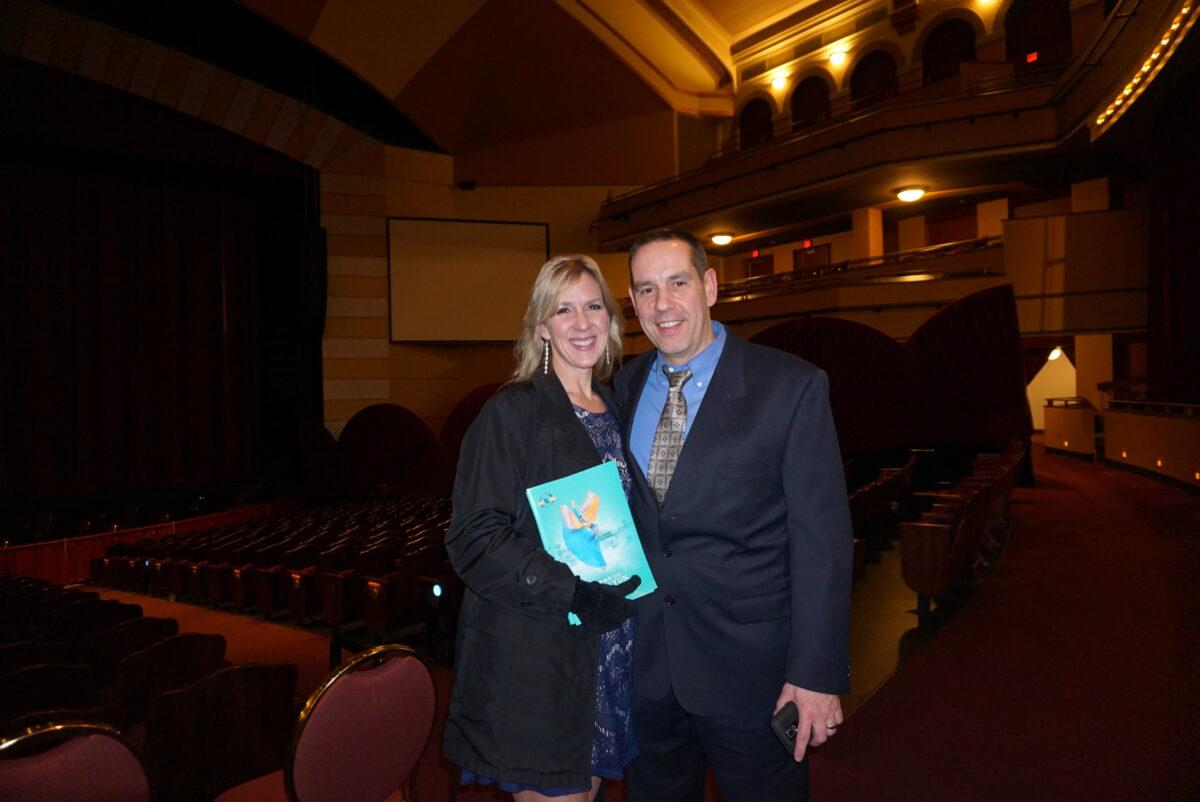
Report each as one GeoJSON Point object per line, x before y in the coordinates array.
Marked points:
{"type": "Point", "coordinates": [871, 378]}
{"type": "Point", "coordinates": [974, 388]}
{"type": "Point", "coordinates": [1174, 281]}
{"type": "Point", "coordinates": [147, 309]}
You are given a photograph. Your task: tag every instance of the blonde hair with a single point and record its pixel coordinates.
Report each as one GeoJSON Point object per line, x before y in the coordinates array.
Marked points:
{"type": "Point", "coordinates": [555, 278]}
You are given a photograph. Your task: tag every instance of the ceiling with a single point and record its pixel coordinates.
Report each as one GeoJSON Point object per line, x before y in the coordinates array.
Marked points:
{"type": "Point", "coordinates": [464, 75]}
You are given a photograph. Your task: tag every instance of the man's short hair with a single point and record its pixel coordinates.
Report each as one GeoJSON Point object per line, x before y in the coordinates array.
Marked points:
{"type": "Point", "coordinates": [697, 256]}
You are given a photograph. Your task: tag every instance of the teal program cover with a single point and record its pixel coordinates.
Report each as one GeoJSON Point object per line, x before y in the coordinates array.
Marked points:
{"type": "Point", "coordinates": [586, 524]}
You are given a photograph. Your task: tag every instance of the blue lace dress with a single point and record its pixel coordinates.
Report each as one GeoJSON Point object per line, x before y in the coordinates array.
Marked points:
{"type": "Point", "coordinates": [613, 743]}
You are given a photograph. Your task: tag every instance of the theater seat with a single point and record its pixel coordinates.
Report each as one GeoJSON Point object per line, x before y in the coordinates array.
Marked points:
{"type": "Point", "coordinates": [72, 762]}
{"type": "Point", "coordinates": [359, 736]}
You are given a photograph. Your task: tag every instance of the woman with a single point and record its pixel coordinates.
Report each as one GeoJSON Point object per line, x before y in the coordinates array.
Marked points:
{"type": "Point", "coordinates": [539, 706]}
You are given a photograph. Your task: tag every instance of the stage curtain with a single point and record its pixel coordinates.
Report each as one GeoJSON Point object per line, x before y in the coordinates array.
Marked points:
{"type": "Point", "coordinates": [132, 332]}
{"type": "Point", "coordinates": [871, 378]}
{"type": "Point", "coordinates": [1174, 283]}
{"type": "Point", "coordinates": [973, 391]}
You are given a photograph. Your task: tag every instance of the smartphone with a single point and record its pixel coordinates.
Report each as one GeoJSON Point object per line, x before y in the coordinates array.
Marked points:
{"type": "Point", "coordinates": [784, 724]}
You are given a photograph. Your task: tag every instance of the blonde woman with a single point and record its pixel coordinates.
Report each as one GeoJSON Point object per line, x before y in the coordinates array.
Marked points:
{"type": "Point", "coordinates": [541, 708]}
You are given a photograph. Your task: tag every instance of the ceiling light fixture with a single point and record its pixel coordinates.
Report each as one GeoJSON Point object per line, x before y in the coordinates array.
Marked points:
{"type": "Point", "coordinates": [722, 239]}
{"type": "Point", "coordinates": [910, 194]}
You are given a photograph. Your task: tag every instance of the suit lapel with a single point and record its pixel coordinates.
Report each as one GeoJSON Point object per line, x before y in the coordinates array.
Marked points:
{"type": "Point", "coordinates": [629, 406]}
{"type": "Point", "coordinates": [717, 412]}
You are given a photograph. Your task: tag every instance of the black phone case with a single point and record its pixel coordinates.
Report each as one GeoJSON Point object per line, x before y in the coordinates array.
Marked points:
{"type": "Point", "coordinates": [784, 725]}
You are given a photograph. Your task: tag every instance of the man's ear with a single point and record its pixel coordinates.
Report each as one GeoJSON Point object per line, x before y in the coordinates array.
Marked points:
{"type": "Point", "coordinates": [710, 286]}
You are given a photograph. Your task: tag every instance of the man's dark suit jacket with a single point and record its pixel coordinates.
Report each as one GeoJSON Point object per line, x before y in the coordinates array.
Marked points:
{"type": "Point", "coordinates": [752, 545]}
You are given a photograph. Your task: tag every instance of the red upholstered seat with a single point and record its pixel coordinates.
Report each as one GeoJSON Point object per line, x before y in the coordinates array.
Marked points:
{"type": "Point", "coordinates": [84, 763]}
{"type": "Point", "coordinates": [359, 736]}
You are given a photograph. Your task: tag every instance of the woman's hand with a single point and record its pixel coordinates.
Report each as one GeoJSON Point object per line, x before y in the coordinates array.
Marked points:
{"type": "Point", "coordinates": [602, 608]}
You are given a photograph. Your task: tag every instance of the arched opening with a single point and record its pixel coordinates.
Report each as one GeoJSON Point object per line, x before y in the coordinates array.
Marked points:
{"type": "Point", "coordinates": [874, 79]}
{"type": "Point", "coordinates": [948, 45]}
{"type": "Point", "coordinates": [754, 123]}
{"type": "Point", "coordinates": [1037, 33]}
{"type": "Point", "coordinates": [810, 102]}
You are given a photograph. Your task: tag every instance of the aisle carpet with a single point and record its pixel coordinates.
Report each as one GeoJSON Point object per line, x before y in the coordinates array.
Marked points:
{"type": "Point", "coordinates": [1073, 674]}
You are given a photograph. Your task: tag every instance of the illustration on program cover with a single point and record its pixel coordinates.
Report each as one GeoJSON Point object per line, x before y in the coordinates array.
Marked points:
{"type": "Point", "coordinates": [586, 524]}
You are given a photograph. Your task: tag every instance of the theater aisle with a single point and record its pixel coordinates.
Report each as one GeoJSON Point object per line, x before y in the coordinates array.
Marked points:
{"type": "Point", "coordinates": [1070, 675]}
{"type": "Point", "coordinates": [248, 639]}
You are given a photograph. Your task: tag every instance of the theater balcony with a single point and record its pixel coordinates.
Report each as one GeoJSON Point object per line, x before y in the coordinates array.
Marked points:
{"type": "Point", "coordinates": [970, 131]}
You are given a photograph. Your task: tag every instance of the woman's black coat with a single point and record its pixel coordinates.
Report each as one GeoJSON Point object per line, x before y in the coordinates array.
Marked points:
{"type": "Point", "coordinates": [523, 707]}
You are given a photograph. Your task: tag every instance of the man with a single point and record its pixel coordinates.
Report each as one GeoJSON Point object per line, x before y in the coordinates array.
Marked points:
{"type": "Point", "coordinates": [741, 506]}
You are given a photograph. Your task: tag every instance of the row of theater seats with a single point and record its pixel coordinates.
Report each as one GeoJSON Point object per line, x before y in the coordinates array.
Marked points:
{"type": "Point", "coordinates": [201, 723]}
{"type": "Point", "coordinates": [380, 561]}
{"type": "Point", "coordinates": [174, 721]}
{"type": "Point", "coordinates": [955, 543]}
{"type": "Point", "coordinates": [876, 509]}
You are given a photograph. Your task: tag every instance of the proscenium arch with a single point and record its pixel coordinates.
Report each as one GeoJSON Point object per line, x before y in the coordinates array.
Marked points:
{"type": "Point", "coordinates": [966, 14]}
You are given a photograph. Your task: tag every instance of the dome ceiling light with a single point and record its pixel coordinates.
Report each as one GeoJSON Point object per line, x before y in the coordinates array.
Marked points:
{"type": "Point", "coordinates": [910, 194]}
{"type": "Point", "coordinates": [722, 238]}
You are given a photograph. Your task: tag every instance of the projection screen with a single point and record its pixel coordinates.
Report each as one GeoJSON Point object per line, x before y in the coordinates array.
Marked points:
{"type": "Point", "coordinates": [455, 280]}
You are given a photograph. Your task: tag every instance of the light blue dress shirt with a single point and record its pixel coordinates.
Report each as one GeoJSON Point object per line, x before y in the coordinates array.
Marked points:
{"type": "Point", "coordinates": [654, 395]}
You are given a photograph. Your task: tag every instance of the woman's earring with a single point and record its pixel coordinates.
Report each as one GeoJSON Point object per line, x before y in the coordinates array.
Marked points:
{"type": "Point", "coordinates": [607, 357]}
{"type": "Point", "coordinates": [545, 357]}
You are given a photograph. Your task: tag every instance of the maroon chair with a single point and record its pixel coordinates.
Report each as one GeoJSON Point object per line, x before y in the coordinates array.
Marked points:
{"type": "Point", "coordinates": [226, 728]}
{"type": "Point", "coordinates": [72, 762]}
{"type": "Point", "coordinates": [169, 664]}
{"type": "Point", "coordinates": [359, 735]}
{"type": "Point", "coordinates": [106, 649]}
{"type": "Point", "coordinates": [32, 652]}
{"type": "Point", "coordinates": [46, 687]}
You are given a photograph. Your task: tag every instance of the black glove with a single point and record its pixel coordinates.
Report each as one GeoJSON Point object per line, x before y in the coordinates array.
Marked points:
{"type": "Point", "coordinates": [603, 607]}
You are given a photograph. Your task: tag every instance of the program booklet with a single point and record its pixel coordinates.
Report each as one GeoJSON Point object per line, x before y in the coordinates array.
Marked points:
{"type": "Point", "coordinates": [586, 524]}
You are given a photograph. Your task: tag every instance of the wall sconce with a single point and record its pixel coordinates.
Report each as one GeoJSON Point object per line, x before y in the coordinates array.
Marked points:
{"type": "Point", "coordinates": [779, 81]}
{"type": "Point", "coordinates": [910, 194]}
{"type": "Point", "coordinates": [1066, 443]}
{"type": "Point", "coordinates": [838, 57]}
{"type": "Point", "coordinates": [722, 238]}
{"type": "Point", "coordinates": [1055, 354]}
{"type": "Point", "coordinates": [1158, 463]}
{"type": "Point", "coordinates": [1124, 455]}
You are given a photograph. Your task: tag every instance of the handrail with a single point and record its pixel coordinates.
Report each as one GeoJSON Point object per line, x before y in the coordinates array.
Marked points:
{"type": "Point", "coordinates": [1070, 402]}
{"type": "Point", "coordinates": [788, 133]}
{"type": "Point", "coordinates": [799, 280]}
{"type": "Point", "coordinates": [1165, 408]}
{"type": "Point", "coordinates": [740, 286]}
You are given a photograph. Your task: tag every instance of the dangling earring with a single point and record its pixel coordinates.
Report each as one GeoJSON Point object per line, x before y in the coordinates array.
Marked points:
{"type": "Point", "coordinates": [545, 357]}
{"type": "Point", "coordinates": [607, 358]}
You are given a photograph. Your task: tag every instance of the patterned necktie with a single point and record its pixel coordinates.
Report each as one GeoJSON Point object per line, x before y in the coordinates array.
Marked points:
{"type": "Point", "coordinates": [668, 437]}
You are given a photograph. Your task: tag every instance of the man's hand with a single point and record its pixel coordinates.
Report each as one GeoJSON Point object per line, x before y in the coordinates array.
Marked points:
{"type": "Point", "coordinates": [820, 716]}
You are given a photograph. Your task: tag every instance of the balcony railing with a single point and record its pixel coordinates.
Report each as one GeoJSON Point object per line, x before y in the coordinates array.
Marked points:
{"type": "Point", "coordinates": [897, 265]}
{"type": "Point", "coordinates": [787, 132]}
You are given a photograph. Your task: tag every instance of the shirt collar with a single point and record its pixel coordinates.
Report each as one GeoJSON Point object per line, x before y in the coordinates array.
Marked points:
{"type": "Point", "coordinates": [702, 365]}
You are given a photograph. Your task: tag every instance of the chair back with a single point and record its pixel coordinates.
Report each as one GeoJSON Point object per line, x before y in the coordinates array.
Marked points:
{"type": "Point", "coordinates": [225, 729]}
{"type": "Point", "coordinates": [31, 652]}
{"type": "Point", "coordinates": [46, 686]}
{"type": "Point", "coordinates": [72, 762]}
{"type": "Point", "coordinates": [361, 733]}
{"type": "Point", "coordinates": [169, 664]}
{"type": "Point", "coordinates": [108, 648]}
